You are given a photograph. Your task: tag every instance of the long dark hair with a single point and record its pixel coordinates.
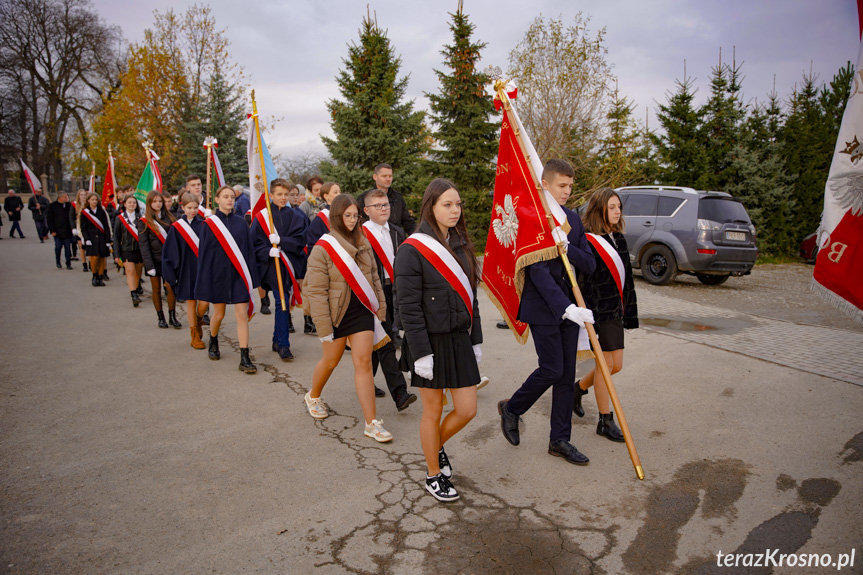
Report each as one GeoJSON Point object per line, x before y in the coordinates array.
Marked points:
{"type": "Point", "coordinates": [337, 223]}
{"type": "Point", "coordinates": [432, 194]}
{"type": "Point", "coordinates": [164, 218]}
{"type": "Point", "coordinates": [595, 218]}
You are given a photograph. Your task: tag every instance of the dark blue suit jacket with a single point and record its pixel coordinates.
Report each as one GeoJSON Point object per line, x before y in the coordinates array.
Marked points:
{"type": "Point", "coordinates": [547, 292]}
{"type": "Point", "coordinates": [291, 227]}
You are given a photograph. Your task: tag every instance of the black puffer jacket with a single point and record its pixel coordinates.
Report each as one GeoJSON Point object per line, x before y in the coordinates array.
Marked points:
{"type": "Point", "coordinates": [600, 290]}
{"type": "Point", "coordinates": [426, 302]}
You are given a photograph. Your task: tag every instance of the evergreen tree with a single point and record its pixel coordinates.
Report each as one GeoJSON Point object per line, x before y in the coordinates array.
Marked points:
{"type": "Point", "coordinates": [373, 124]}
{"type": "Point", "coordinates": [623, 156]}
{"type": "Point", "coordinates": [680, 148]}
{"type": "Point", "coordinates": [467, 141]}
{"type": "Point", "coordinates": [722, 115]}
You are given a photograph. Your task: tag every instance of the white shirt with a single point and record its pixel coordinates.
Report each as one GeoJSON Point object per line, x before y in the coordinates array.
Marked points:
{"type": "Point", "coordinates": [382, 233]}
{"type": "Point", "coordinates": [131, 217]}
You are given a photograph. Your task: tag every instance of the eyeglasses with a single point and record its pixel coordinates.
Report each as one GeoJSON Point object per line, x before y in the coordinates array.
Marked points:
{"type": "Point", "coordinates": [380, 207]}
{"type": "Point", "coordinates": [351, 217]}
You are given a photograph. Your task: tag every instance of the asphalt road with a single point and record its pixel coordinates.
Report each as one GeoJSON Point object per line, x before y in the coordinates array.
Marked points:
{"type": "Point", "coordinates": [123, 450]}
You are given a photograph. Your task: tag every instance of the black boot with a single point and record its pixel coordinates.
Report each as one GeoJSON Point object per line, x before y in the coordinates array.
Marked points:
{"type": "Point", "coordinates": [140, 288]}
{"type": "Point", "coordinates": [162, 323]}
{"type": "Point", "coordinates": [265, 305]}
{"type": "Point", "coordinates": [576, 404]}
{"type": "Point", "coordinates": [309, 326]}
{"type": "Point", "coordinates": [105, 275]}
{"type": "Point", "coordinates": [99, 280]}
{"type": "Point", "coordinates": [135, 299]}
{"type": "Point", "coordinates": [172, 319]}
{"type": "Point", "coordinates": [213, 352]}
{"type": "Point", "coordinates": [606, 427]}
{"type": "Point", "coordinates": [86, 267]}
{"type": "Point", "coordinates": [95, 280]}
{"type": "Point", "coordinates": [290, 324]}
{"type": "Point", "coordinates": [246, 364]}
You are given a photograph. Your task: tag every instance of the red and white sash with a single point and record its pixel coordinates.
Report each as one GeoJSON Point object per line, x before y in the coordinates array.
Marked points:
{"type": "Point", "coordinates": [129, 227]}
{"type": "Point", "coordinates": [296, 297]}
{"type": "Point", "coordinates": [201, 212]}
{"type": "Point", "coordinates": [185, 230]}
{"type": "Point", "coordinates": [444, 262]}
{"type": "Point", "coordinates": [160, 232]}
{"type": "Point", "coordinates": [382, 249]}
{"type": "Point", "coordinates": [611, 259]}
{"type": "Point", "coordinates": [93, 219]}
{"type": "Point", "coordinates": [232, 250]}
{"type": "Point", "coordinates": [357, 282]}
{"type": "Point", "coordinates": [325, 215]}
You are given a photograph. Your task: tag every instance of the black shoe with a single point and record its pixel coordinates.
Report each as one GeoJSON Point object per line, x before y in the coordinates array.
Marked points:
{"type": "Point", "coordinates": [309, 326]}
{"type": "Point", "coordinates": [95, 280]}
{"type": "Point", "coordinates": [441, 488]}
{"type": "Point", "coordinates": [205, 319]}
{"type": "Point", "coordinates": [444, 464]}
{"type": "Point", "coordinates": [285, 354]}
{"type": "Point", "coordinates": [41, 241]}
{"type": "Point", "coordinates": [508, 422]}
{"type": "Point", "coordinates": [275, 347]}
{"type": "Point", "coordinates": [404, 400]}
{"type": "Point", "coordinates": [502, 325]}
{"type": "Point", "coordinates": [265, 305]}
{"type": "Point", "coordinates": [86, 267]}
{"type": "Point", "coordinates": [74, 258]}
{"type": "Point", "coordinates": [135, 299]}
{"type": "Point", "coordinates": [59, 267]}
{"type": "Point", "coordinates": [565, 449]}
{"type": "Point", "coordinates": [105, 276]}
{"type": "Point", "coordinates": [172, 319]}
{"type": "Point", "coordinates": [607, 428]}
{"type": "Point", "coordinates": [246, 364]}
{"type": "Point", "coordinates": [379, 392]}
{"type": "Point", "coordinates": [213, 352]}
{"type": "Point", "coordinates": [162, 323]}
{"type": "Point", "coordinates": [577, 408]}
{"type": "Point", "coordinates": [140, 288]}
{"type": "Point", "coordinates": [100, 281]}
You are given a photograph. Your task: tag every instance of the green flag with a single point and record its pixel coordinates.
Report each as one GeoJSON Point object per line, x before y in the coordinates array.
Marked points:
{"type": "Point", "coordinates": [149, 181]}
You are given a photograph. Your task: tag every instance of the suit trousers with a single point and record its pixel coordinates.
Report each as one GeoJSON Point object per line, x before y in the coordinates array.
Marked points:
{"type": "Point", "coordinates": [386, 356]}
{"type": "Point", "coordinates": [556, 349]}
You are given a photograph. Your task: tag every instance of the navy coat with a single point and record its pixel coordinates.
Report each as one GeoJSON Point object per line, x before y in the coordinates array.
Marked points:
{"type": "Point", "coordinates": [291, 226]}
{"type": "Point", "coordinates": [179, 262]}
{"type": "Point", "coordinates": [316, 229]}
{"type": "Point", "coordinates": [547, 291]}
{"type": "Point", "coordinates": [218, 281]}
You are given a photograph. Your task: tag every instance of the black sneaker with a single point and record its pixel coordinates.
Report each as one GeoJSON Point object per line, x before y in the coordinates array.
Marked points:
{"type": "Point", "coordinates": [444, 464]}
{"type": "Point", "coordinates": [441, 488]}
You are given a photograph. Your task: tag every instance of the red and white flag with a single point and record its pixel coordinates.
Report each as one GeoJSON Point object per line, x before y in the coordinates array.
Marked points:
{"type": "Point", "coordinates": [217, 167]}
{"type": "Point", "coordinates": [31, 178]}
{"type": "Point", "coordinates": [838, 275]}
{"type": "Point", "coordinates": [110, 187]}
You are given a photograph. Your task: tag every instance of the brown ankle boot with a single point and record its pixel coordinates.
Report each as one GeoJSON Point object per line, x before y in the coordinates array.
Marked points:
{"type": "Point", "coordinates": [196, 338]}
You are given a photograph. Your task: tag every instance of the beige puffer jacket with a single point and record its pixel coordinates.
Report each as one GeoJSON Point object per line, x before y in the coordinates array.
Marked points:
{"type": "Point", "coordinates": [326, 294]}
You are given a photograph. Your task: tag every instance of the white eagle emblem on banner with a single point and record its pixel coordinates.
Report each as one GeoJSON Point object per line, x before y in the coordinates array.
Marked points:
{"type": "Point", "coordinates": [506, 227]}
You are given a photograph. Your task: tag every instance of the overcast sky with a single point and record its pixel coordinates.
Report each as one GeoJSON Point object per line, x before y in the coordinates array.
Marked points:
{"type": "Point", "coordinates": [291, 50]}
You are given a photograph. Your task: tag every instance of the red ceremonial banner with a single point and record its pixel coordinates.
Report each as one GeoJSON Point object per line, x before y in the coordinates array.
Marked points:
{"type": "Point", "coordinates": [520, 232]}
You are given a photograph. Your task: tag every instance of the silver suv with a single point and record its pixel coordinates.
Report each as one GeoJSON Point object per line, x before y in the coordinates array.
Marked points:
{"type": "Point", "coordinates": [673, 230]}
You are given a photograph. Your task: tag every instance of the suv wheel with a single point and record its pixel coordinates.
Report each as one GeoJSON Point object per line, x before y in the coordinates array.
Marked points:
{"type": "Point", "coordinates": [711, 280]}
{"type": "Point", "coordinates": [658, 265]}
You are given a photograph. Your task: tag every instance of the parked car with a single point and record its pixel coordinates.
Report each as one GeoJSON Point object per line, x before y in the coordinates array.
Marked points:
{"type": "Point", "coordinates": [673, 230]}
{"type": "Point", "coordinates": [809, 248]}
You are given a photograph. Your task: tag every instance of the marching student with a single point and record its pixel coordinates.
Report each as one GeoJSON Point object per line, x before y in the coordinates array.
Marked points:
{"type": "Point", "coordinates": [295, 198]}
{"type": "Point", "coordinates": [435, 291]}
{"type": "Point", "coordinates": [75, 219]}
{"type": "Point", "coordinates": [319, 225]}
{"type": "Point", "coordinates": [152, 233]}
{"type": "Point", "coordinates": [227, 274]}
{"type": "Point", "coordinates": [609, 292]}
{"type": "Point", "coordinates": [385, 238]}
{"type": "Point", "coordinates": [96, 233]}
{"type": "Point", "coordinates": [313, 203]}
{"type": "Point", "coordinates": [180, 261]}
{"type": "Point", "coordinates": [548, 306]}
{"type": "Point", "coordinates": [128, 250]}
{"type": "Point", "coordinates": [290, 237]}
{"type": "Point", "coordinates": [343, 294]}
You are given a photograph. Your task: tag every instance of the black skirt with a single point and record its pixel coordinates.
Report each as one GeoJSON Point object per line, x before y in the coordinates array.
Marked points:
{"type": "Point", "coordinates": [133, 257]}
{"type": "Point", "coordinates": [357, 318]}
{"type": "Point", "coordinates": [610, 334]}
{"type": "Point", "coordinates": [454, 362]}
{"type": "Point", "coordinates": [98, 249]}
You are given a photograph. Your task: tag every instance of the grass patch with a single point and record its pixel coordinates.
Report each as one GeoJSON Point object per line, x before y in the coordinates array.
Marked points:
{"type": "Point", "coordinates": [765, 259]}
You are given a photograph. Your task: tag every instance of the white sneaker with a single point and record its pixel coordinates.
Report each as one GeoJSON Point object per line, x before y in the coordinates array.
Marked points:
{"type": "Point", "coordinates": [441, 488]}
{"type": "Point", "coordinates": [483, 381]}
{"type": "Point", "coordinates": [376, 431]}
{"type": "Point", "coordinates": [316, 406]}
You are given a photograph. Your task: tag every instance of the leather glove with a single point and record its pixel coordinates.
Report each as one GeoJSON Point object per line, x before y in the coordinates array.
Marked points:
{"type": "Point", "coordinates": [274, 252]}
{"type": "Point", "coordinates": [208, 212]}
{"type": "Point", "coordinates": [424, 367]}
{"type": "Point", "coordinates": [578, 315]}
{"type": "Point", "coordinates": [151, 273]}
{"type": "Point", "coordinates": [477, 352]}
{"type": "Point", "coordinates": [88, 243]}
{"type": "Point", "coordinates": [559, 236]}
{"type": "Point", "coordinates": [326, 338]}
{"type": "Point", "coordinates": [275, 239]}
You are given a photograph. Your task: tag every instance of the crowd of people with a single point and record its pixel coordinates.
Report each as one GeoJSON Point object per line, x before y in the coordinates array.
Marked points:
{"type": "Point", "coordinates": [363, 271]}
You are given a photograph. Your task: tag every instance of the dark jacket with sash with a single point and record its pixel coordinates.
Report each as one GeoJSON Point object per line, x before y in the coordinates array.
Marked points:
{"type": "Point", "coordinates": [317, 228]}
{"type": "Point", "coordinates": [124, 241]}
{"type": "Point", "coordinates": [218, 281]}
{"type": "Point", "coordinates": [90, 232]}
{"type": "Point", "coordinates": [179, 262]}
{"type": "Point", "coordinates": [547, 291]}
{"type": "Point", "coordinates": [426, 301]}
{"type": "Point", "coordinates": [397, 235]}
{"type": "Point", "coordinates": [291, 227]}
{"type": "Point", "coordinates": [600, 290]}
{"type": "Point", "coordinates": [151, 244]}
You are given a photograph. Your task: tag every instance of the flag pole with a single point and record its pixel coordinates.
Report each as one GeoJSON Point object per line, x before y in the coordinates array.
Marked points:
{"type": "Point", "coordinates": [208, 145]}
{"type": "Point", "coordinates": [266, 185]}
{"type": "Point", "coordinates": [500, 88]}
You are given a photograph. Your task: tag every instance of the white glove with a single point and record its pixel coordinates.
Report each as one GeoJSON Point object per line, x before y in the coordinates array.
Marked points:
{"type": "Point", "coordinates": [88, 243]}
{"type": "Point", "coordinates": [559, 236]}
{"type": "Point", "coordinates": [477, 351]}
{"type": "Point", "coordinates": [208, 212]}
{"type": "Point", "coordinates": [151, 273]}
{"type": "Point", "coordinates": [578, 315]}
{"type": "Point", "coordinates": [274, 252]}
{"type": "Point", "coordinates": [424, 367]}
{"type": "Point", "coordinates": [74, 231]}
{"type": "Point", "coordinates": [326, 338]}
{"type": "Point", "coordinates": [275, 239]}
